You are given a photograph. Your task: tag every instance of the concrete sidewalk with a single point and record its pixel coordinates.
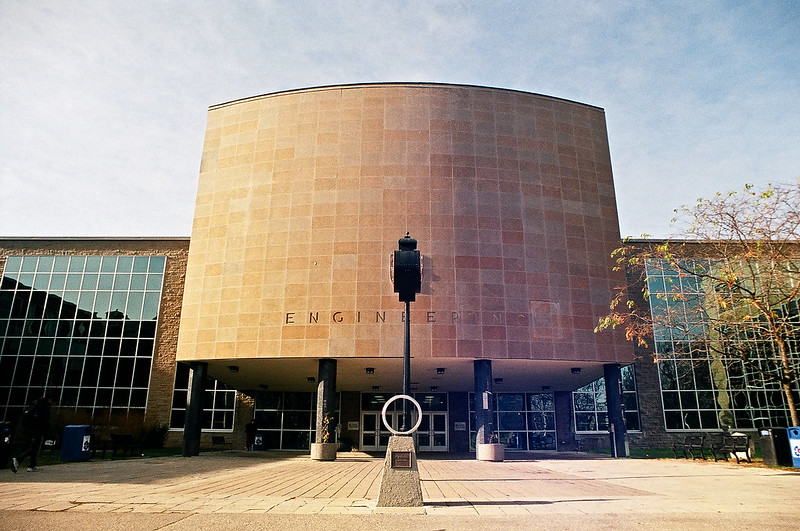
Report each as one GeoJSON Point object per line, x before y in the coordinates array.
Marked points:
{"type": "Point", "coordinates": [260, 490]}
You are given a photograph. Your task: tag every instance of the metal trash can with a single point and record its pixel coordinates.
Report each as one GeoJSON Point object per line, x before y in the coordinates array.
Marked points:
{"type": "Point", "coordinates": [5, 443]}
{"type": "Point", "coordinates": [794, 445]}
{"type": "Point", "coordinates": [775, 446]}
{"type": "Point", "coordinates": [76, 442]}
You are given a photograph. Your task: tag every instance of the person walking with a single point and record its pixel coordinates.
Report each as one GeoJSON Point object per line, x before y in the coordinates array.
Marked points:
{"type": "Point", "coordinates": [250, 431]}
{"type": "Point", "coordinates": [35, 425]}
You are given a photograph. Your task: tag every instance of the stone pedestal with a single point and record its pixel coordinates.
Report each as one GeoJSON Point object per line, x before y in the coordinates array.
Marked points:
{"type": "Point", "coordinates": [324, 451]}
{"type": "Point", "coordinates": [490, 452]}
{"type": "Point", "coordinates": [400, 485]}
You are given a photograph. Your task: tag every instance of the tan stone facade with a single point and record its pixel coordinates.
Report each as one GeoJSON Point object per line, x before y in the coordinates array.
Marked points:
{"type": "Point", "coordinates": [304, 194]}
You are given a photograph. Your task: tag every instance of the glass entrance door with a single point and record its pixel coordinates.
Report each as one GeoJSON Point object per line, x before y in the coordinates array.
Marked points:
{"type": "Point", "coordinates": [432, 433]}
{"type": "Point", "coordinates": [374, 435]}
{"type": "Point", "coordinates": [431, 436]}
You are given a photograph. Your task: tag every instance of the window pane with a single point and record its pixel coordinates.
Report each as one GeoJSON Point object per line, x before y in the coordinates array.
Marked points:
{"type": "Point", "coordinates": [93, 264]}
{"type": "Point", "coordinates": [140, 264]}
{"type": "Point", "coordinates": [510, 402]}
{"type": "Point", "coordinates": [141, 374]}
{"type": "Point", "coordinates": [671, 400]}
{"type": "Point", "coordinates": [121, 281]}
{"type": "Point", "coordinates": [585, 422]}
{"type": "Point", "coordinates": [13, 264]}
{"type": "Point", "coordinates": [154, 282]}
{"type": "Point", "coordinates": [133, 310]}
{"type": "Point", "coordinates": [632, 421]}
{"type": "Point", "coordinates": [150, 307]}
{"type": "Point", "coordinates": [76, 264]}
{"type": "Point", "coordinates": [511, 421]}
{"type": "Point", "coordinates": [584, 402]}
{"type": "Point", "coordinates": [138, 282]}
{"type": "Point", "coordinates": [157, 264]}
{"type": "Point", "coordinates": [105, 282]}
{"type": "Point", "coordinates": [108, 264]}
{"type": "Point", "coordinates": [124, 264]}
{"type": "Point", "coordinates": [41, 281]}
{"type": "Point", "coordinates": [89, 282]}
{"type": "Point", "coordinates": [666, 371]}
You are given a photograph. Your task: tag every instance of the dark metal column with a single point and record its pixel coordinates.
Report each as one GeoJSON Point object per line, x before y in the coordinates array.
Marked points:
{"type": "Point", "coordinates": [326, 400]}
{"type": "Point", "coordinates": [616, 415]}
{"type": "Point", "coordinates": [407, 368]}
{"type": "Point", "coordinates": [193, 424]}
{"type": "Point", "coordinates": [484, 408]}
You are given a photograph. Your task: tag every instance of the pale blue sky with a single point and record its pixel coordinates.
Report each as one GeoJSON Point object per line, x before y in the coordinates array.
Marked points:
{"type": "Point", "coordinates": [103, 103]}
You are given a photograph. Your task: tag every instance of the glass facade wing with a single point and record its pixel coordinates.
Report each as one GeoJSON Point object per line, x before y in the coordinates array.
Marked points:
{"type": "Point", "coordinates": [713, 373]}
{"type": "Point", "coordinates": [74, 326]}
{"type": "Point", "coordinates": [591, 410]}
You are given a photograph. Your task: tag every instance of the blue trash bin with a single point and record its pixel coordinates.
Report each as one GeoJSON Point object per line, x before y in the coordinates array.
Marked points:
{"type": "Point", "coordinates": [258, 441]}
{"type": "Point", "coordinates": [76, 443]}
{"type": "Point", "coordinates": [794, 445]}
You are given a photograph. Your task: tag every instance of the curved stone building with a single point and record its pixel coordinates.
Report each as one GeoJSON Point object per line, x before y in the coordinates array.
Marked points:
{"type": "Point", "coordinates": [283, 295]}
{"type": "Point", "coordinates": [303, 196]}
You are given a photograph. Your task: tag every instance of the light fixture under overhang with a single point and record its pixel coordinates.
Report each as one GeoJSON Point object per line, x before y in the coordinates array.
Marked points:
{"type": "Point", "coordinates": [498, 381]}
{"type": "Point", "coordinates": [370, 370]}
{"type": "Point", "coordinates": [440, 370]}
{"type": "Point", "coordinates": [233, 368]}
{"type": "Point", "coordinates": [311, 379]}
{"type": "Point", "coordinates": [575, 370]}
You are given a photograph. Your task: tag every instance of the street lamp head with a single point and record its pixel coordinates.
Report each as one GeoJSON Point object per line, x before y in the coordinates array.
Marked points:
{"type": "Point", "coordinates": [407, 243]}
{"type": "Point", "coordinates": [406, 270]}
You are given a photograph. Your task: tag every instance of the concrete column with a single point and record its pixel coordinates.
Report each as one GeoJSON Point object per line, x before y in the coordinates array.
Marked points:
{"type": "Point", "coordinates": [484, 409]}
{"type": "Point", "coordinates": [326, 400]}
{"type": "Point", "coordinates": [565, 422]}
{"type": "Point", "coordinates": [459, 413]}
{"type": "Point", "coordinates": [193, 424]}
{"type": "Point", "coordinates": [616, 417]}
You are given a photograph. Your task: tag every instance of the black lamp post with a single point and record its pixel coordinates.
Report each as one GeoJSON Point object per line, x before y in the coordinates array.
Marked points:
{"type": "Point", "coordinates": [407, 277]}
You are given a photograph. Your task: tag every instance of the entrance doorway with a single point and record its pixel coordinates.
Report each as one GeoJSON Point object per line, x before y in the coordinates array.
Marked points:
{"type": "Point", "coordinates": [430, 437]}
{"type": "Point", "coordinates": [374, 435]}
{"type": "Point", "coordinates": [432, 433]}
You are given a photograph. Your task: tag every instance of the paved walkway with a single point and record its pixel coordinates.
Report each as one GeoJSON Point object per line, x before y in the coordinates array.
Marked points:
{"type": "Point", "coordinates": [284, 491]}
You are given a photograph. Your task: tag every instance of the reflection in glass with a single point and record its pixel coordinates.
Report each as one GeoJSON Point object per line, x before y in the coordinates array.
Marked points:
{"type": "Point", "coordinates": [67, 345]}
{"type": "Point", "coordinates": [138, 282]}
{"type": "Point", "coordinates": [133, 309]}
{"type": "Point", "coordinates": [105, 282]}
{"type": "Point", "coordinates": [590, 408]}
{"type": "Point", "coordinates": [76, 264]}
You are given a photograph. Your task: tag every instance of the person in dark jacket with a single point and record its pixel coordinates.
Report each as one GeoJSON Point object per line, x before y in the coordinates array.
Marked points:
{"type": "Point", "coordinates": [35, 425]}
{"type": "Point", "coordinates": [250, 431]}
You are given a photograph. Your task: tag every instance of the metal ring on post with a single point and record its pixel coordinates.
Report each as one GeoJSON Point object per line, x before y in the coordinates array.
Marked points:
{"type": "Point", "coordinates": [386, 406]}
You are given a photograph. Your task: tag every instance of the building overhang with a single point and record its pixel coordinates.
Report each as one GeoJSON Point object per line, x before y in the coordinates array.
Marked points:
{"type": "Point", "coordinates": [385, 374]}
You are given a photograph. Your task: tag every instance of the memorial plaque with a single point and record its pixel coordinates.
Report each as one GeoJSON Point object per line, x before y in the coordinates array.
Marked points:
{"type": "Point", "coordinates": [401, 459]}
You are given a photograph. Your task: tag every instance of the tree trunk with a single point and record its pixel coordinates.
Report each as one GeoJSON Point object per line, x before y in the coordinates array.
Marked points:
{"type": "Point", "coordinates": [787, 390]}
{"type": "Point", "coordinates": [787, 381]}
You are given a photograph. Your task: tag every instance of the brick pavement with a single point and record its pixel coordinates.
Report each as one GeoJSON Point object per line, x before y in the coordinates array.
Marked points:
{"type": "Point", "coordinates": [237, 486]}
